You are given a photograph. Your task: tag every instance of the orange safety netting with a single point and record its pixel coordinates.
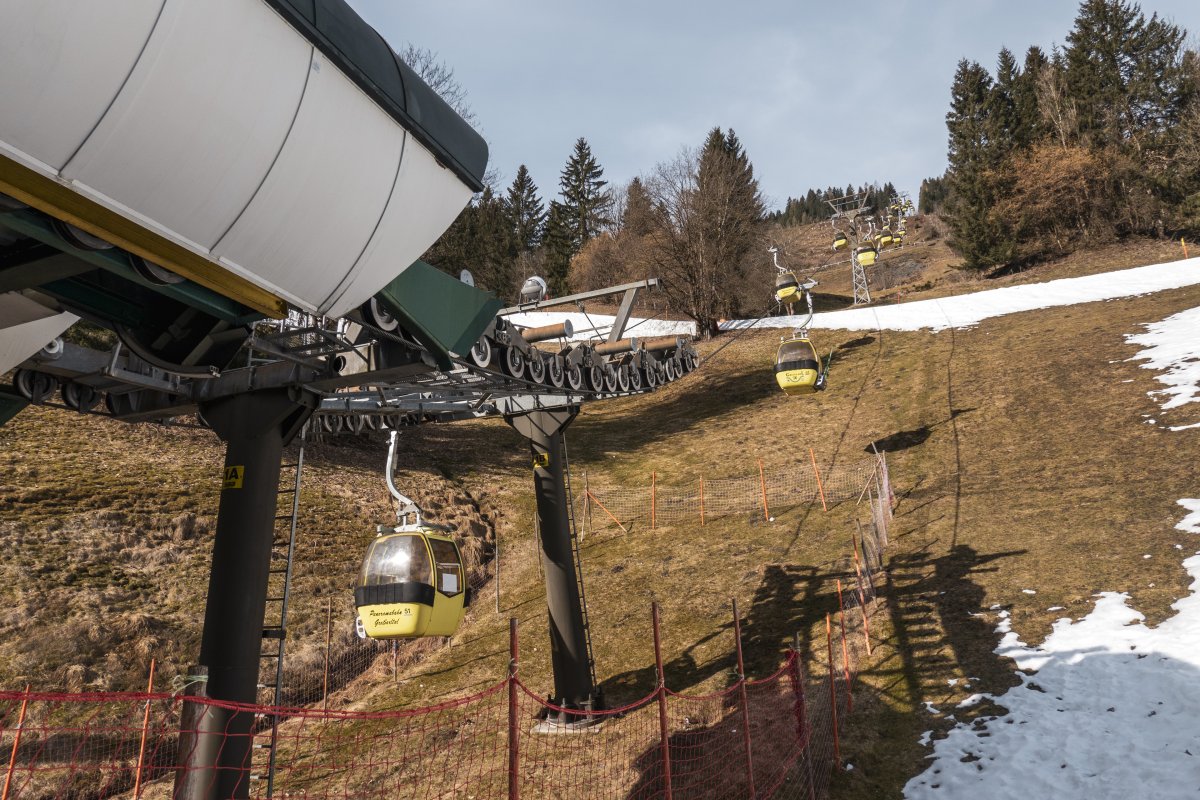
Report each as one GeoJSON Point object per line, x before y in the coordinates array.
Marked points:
{"type": "Point", "coordinates": [667, 744]}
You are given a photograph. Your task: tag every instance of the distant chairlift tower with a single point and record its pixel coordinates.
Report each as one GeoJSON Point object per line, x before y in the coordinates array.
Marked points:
{"type": "Point", "coordinates": [846, 211]}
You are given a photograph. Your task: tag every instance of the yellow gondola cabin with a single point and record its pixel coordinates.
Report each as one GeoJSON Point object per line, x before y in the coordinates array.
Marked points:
{"type": "Point", "coordinates": [797, 367]}
{"type": "Point", "coordinates": [411, 584]}
{"type": "Point", "coordinates": [787, 288]}
{"type": "Point", "coordinates": [840, 241]}
{"type": "Point", "coordinates": [866, 255]}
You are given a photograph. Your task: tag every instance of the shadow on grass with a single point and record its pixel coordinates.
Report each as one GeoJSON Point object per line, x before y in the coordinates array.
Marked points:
{"type": "Point", "coordinates": [903, 440]}
{"type": "Point", "coordinates": [707, 395]}
{"type": "Point", "coordinates": [786, 608]}
{"type": "Point", "coordinates": [935, 607]}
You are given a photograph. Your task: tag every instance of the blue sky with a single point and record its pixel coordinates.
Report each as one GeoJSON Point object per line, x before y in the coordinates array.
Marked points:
{"type": "Point", "coordinates": [819, 93]}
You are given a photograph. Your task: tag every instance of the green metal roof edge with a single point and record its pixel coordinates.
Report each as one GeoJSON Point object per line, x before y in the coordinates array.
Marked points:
{"type": "Point", "coordinates": [441, 312]}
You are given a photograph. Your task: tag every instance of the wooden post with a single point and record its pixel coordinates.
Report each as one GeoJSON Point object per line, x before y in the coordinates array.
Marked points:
{"type": "Point", "coordinates": [328, 643]}
{"type": "Point", "coordinates": [803, 728]}
{"type": "Point", "coordinates": [653, 498]}
{"type": "Point", "coordinates": [702, 501]}
{"type": "Point", "coordinates": [762, 479]}
{"type": "Point", "coordinates": [1183, 242]}
{"type": "Point", "coordinates": [741, 668]}
{"type": "Point", "coordinates": [610, 514]}
{"type": "Point", "coordinates": [496, 559]}
{"type": "Point", "coordinates": [514, 731]}
{"type": "Point", "coordinates": [833, 715]}
{"type": "Point", "coordinates": [664, 732]}
{"type": "Point", "coordinates": [817, 472]}
{"type": "Point", "coordinates": [137, 780]}
{"type": "Point", "coordinates": [866, 618]}
{"type": "Point", "coordinates": [12, 760]}
{"type": "Point", "coordinates": [845, 650]}
{"type": "Point", "coordinates": [587, 504]}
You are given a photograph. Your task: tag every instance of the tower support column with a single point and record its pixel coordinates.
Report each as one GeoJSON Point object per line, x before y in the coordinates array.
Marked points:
{"type": "Point", "coordinates": [574, 681]}
{"type": "Point", "coordinates": [255, 428]}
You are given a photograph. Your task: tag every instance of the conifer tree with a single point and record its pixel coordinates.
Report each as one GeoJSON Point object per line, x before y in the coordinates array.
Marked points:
{"type": "Point", "coordinates": [586, 202]}
{"type": "Point", "coordinates": [1028, 127]}
{"type": "Point", "coordinates": [971, 158]}
{"type": "Point", "coordinates": [710, 213]}
{"type": "Point", "coordinates": [524, 211]}
{"type": "Point", "coordinates": [1002, 118]}
{"type": "Point", "coordinates": [1124, 73]}
{"type": "Point", "coordinates": [637, 217]}
{"type": "Point", "coordinates": [558, 242]}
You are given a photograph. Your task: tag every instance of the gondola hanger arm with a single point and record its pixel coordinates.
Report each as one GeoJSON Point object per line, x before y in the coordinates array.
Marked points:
{"type": "Point", "coordinates": [407, 507]}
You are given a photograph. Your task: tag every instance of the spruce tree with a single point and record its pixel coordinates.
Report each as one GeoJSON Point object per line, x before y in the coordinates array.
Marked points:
{"type": "Point", "coordinates": [1029, 127]}
{"type": "Point", "coordinates": [972, 158]}
{"type": "Point", "coordinates": [524, 212]}
{"type": "Point", "coordinates": [1124, 73]}
{"type": "Point", "coordinates": [558, 242]}
{"type": "Point", "coordinates": [586, 202]}
{"type": "Point", "coordinates": [1002, 118]}
{"type": "Point", "coordinates": [637, 217]}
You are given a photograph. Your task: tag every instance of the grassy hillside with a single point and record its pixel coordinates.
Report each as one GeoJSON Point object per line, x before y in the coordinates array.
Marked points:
{"type": "Point", "coordinates": [1020, 455]}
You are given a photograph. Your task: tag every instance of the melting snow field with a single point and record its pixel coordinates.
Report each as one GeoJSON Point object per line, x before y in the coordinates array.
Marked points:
{"type": "Point", "coordinates": [1172, 347]}
{"type": "Point", "coordinates": [1112, 709]}
{"type": "Point", "coordinates": [971, 309]}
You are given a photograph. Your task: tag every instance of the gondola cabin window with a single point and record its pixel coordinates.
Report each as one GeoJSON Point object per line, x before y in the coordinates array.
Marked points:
{"type": "Point", "coordinates": [449, 568]}
{"type": "Point", "coordinates": [397, 559]}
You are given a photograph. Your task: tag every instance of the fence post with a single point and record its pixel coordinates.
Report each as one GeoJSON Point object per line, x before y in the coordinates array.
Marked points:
{"type": "Point", "coordinates": [664, 733]}
{"type": "Point", "coordinates": [702, 501]}
{"type": "Point", "coordinates": [137, 780]}
{"type": "Point", "coordinates": [587, 503]}
{"type": "Point", "coordinates": [862, 605]}
{"type": "Point", "coordinates": [12, 760]}
{"type": "Point", "coordinates": [800, 706]}
{"type": "Point", "coordinates": [762, 479]}
{"type": "Point", "coordinates": [653, 499]}
{"type": "Point", "coordinates": [514, 733]}
{"type": "Point", "coordinates": [328, 644]}
{"type": "Point", "coordinates": [845, 650]}
{"type": "Point", "coordinates": [833, 715]}
{"type": "Point", "coordinates": [610, 514]}
{"type": "Point", "coordinates": [741, 668]}
{"type": "Point", "coordinates": [817, 473]}
{"type": "Point", "coordinates": [496, 559]}
{"type": "Point", "coordinates": [887, 480]}
{"type": "Point", "coordinates": [1183, 243]}
{"type": "Point", "coordinates": [201, 735]}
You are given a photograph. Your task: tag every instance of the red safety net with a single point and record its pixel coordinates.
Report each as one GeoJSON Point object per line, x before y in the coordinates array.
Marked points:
{"type": "Point", "coordinates": [772, 737]}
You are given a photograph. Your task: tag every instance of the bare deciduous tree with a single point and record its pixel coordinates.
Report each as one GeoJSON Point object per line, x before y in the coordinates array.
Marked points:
{"type": "Point", "coordinates": [440, 78]}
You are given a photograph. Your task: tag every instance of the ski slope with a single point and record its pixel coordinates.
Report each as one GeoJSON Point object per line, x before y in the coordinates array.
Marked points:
{"type": "Point", "coordinates": [1107, 707]}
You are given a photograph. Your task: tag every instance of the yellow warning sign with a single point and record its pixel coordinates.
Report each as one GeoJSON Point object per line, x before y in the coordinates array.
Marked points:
{"type": "Point", "coordinates": [233, 477]}
{"type": "Point", "coordinates": [541, 460]}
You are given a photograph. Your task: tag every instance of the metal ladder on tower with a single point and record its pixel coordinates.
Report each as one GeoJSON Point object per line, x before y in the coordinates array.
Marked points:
{"type": "Point", "coordinates": [587, 628]}
{"type": "Point", "coordinates": [274, 635]}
